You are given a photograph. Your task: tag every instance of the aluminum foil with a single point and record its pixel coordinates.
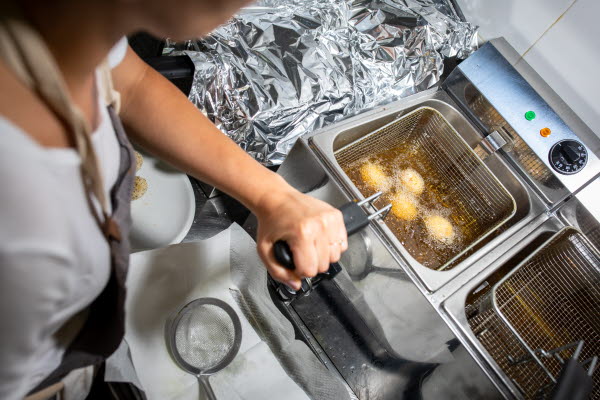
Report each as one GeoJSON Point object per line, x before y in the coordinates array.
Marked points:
{"type": "Point", "coordinates": [276, 72]}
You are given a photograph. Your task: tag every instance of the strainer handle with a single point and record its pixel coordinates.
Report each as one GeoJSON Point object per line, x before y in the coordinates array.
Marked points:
{"type": "Point", "coordinates": [205, 385]}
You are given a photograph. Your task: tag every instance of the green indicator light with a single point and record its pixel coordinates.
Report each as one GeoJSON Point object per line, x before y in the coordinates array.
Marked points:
{"type": "Point", "coordinates": [529, 115]}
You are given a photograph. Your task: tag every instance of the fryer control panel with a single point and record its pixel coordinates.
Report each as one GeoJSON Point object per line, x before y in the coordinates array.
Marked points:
{"type": "Point", "coordinates": [491, 75]}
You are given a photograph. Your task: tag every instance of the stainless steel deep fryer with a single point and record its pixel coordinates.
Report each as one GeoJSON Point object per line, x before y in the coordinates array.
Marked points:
{"type": "Point", "coordinates": [482, 203]}
{"type": "Point", "coordinates": [421, 332]}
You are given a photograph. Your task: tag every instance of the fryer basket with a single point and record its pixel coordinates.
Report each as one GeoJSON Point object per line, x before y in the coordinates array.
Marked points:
{"type": "Point", "coordinates": [483, 203]}
{"type": "Point", "coordinates": [549, 301]}
{"type": "Point", "coordinates": [522, 152]}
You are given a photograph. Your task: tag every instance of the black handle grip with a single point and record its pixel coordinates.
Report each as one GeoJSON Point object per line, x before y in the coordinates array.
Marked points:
{"type": "Point", "coordinates": [355, 219]}
{"type": "Point", "coordinates": [283, 254]}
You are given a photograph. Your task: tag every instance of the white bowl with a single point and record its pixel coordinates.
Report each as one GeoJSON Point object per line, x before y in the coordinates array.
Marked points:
{"type": "Point", "coordinates": [164, 214]}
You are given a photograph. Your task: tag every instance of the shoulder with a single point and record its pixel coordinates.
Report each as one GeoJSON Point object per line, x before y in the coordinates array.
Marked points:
{"type": "Point", "coordinates": [20, 105]}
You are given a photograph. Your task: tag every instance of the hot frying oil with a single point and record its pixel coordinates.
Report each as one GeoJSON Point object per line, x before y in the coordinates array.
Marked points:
{"type": "Point", "coordinates": [435, 199]}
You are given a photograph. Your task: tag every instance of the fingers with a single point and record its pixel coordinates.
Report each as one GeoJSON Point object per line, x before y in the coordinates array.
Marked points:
{"type": "Point", "coordinates": [315, 241]}
{"type": "Point", "coordinates": [343, 234]}
{"type": "Point", "coordinates": [323, 250]}
{"type": "Point", "coordinates": [306, 251]}
{"type": "Point", "coordinates": [318, 242]}
{"type": "Point", "coordinates": [279, 273]}
{"type": "Point", "coordinates": [334, 253]}
{"type": "Point", "coordinates": [337, 236]}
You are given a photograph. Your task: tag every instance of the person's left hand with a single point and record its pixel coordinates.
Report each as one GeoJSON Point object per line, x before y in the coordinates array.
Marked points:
{"type": "Point", "coordinates": [313, 229]}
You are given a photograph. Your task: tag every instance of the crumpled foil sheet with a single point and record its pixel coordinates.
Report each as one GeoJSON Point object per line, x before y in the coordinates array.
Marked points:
{"type": "Point", "coordinates": [276, 72]}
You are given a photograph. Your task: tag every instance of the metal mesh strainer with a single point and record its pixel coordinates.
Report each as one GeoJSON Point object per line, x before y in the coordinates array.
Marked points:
{"type": "Point", "coordinates": [203, 338]}
{"type": "Point", "coordinates": [549, 301]}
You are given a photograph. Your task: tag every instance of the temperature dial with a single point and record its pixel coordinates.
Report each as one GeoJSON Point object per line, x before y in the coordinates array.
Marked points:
{"type": "Point", "coordinates": [568, 156]}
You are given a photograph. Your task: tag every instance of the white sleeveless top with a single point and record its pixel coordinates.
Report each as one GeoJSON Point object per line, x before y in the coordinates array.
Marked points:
{"type": "Point", "coordinates": [54, 260]}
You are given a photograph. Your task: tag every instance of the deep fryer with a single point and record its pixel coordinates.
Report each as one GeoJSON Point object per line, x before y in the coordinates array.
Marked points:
{"type": "Point", "coordinates": [414, 333]}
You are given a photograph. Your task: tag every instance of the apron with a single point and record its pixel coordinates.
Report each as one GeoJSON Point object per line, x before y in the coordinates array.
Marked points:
{"type": "Point", "coordinates": [101, 326]}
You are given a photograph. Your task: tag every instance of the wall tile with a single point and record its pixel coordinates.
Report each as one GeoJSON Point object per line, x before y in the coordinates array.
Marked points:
{"type": "Point", "coordinates": [521, 22]}
{"type": "Point", "coordinates": [568, 58]}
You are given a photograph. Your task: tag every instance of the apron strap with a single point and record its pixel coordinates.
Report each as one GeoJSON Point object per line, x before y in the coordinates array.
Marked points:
{"type": "Point", "coordinates": [25, 52]}
{"type": "Point", "coordinates": [111, 96]}
{"type": "Point", "coordinates": [47, 393]}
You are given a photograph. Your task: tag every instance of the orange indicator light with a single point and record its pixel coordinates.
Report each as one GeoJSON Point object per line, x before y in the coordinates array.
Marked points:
{"type": "Point", "coordinates": [545, 132]}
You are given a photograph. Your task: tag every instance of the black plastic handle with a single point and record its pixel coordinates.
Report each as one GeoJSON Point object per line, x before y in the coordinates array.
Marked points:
{"type": "Point", "coordinates": [574, 383]}
{"type": "Point", "coordinates": [355, 219]}
{"type": "Point", "coordinates": [283, 254]}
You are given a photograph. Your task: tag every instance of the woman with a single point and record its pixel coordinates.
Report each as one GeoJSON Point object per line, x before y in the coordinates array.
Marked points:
{"type": "Point", "coordinates": [66, 172]}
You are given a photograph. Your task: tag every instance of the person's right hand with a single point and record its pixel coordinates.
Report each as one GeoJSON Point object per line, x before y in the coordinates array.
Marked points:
{"type": "Point", "coordinates": [313, 229]}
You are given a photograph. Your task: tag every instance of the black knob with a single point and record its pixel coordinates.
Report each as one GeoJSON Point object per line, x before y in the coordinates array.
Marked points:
{"type": "Point", "coordinates": [568, 156]}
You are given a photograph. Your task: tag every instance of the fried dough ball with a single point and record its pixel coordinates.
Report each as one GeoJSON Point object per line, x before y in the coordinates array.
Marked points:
{"type": "Point", "coordinates": [404, 206]}
{"type": "Point", "coordinates": [139, 160]}
{"type": "Point", "coordinates": [140, 186]}
{"type": "Point", "coordinates": [412, 181]}
{"type": "Point", "coordinates": [374, 176]}
{"type": "Point", "coordinates": [440, 228]}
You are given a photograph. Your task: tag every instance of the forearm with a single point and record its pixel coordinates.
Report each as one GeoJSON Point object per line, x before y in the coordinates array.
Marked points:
{"type": "Point", "coordinates": [163, 121]}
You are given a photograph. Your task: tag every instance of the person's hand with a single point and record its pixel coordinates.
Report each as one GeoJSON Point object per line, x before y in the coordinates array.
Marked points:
{"type": "Point", "coordinates": [313, 229]}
